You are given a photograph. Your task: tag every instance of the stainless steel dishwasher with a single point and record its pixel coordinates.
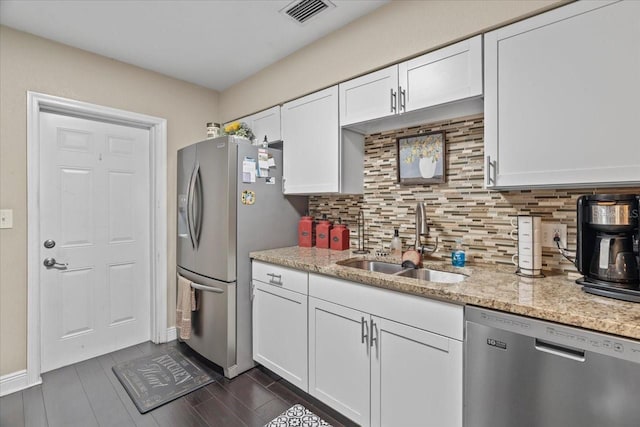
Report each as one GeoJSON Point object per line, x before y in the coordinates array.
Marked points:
{"type": "Point", "coordinates": [530, 373]}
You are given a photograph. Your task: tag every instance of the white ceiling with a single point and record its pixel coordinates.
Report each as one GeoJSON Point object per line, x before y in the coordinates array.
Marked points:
{"type": "Point", "coordinates": [211, 43]}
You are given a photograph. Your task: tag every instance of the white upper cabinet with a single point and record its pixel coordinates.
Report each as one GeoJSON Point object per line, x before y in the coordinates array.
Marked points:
{"type": "Point", "coordinates": [561, 98]}
{"type": "Point", "coordinates": [369, 97]}
{"type": "Point", "coordinates": [267, 124]}
{"type": "Point", "coordinates": [446, 75]}
{"type": "Point", "coordinates": [317, 156]}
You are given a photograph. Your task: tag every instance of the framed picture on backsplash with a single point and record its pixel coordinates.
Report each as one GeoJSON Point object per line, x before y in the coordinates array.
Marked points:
{"type": "Point", "coordinates": [421, 158]}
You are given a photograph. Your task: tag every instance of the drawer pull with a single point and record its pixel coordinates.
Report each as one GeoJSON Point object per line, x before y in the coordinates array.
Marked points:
{"type": "Point", "coordinates": [275, 279]}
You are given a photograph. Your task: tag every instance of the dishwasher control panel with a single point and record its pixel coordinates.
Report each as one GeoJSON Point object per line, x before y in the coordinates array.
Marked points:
{"type": "Point", "coordinates": [622, 348]}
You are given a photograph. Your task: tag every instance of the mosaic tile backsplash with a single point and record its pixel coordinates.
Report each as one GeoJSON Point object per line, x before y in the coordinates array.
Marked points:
{"type": "Point", "coordinates": [459, 208]}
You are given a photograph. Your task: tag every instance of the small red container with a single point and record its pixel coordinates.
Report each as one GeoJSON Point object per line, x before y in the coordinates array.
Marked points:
{"type": "Point", "coordinates": [323, 230]}
{"type": "Point", "coordinates": [340, 237]}
{"type": "Point", "coordinates": [306, 232]}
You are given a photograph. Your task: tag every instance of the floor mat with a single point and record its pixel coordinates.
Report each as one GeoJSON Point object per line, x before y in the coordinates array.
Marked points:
{"type": "Point", "coordinates": [297, 416]}
{"type": "Point", "coordinates": [154, 380]}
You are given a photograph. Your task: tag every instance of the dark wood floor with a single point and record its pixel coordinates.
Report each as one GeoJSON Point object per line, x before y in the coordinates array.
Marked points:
{"type": "Point", "coordinates": [88, 394]}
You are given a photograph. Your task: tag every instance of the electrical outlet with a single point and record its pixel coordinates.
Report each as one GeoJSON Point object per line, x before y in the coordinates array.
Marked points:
{"type": "Point", "coordinates": [549, 230]}
{"type": "Point", "coordinates": [6, 218]}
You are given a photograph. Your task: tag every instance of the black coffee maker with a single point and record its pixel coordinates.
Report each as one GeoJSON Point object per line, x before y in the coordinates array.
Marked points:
{"type": "Point", "coordinates": [607, 252]}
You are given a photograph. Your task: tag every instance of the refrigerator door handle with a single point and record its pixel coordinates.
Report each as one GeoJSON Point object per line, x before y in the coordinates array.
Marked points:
{"type": "Point", "coordinates": [197, 226]}
{"type": "Point", "coordinates": [206, 288]}
{"type": "Point", "coordinates": [190, 195]}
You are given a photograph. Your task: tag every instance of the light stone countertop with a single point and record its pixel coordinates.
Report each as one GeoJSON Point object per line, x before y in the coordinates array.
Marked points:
{"type": "Point", "coordinates": [555, 298]}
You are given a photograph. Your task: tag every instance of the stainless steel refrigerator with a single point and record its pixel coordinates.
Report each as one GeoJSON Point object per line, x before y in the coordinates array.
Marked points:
{"type": "Point", "coordinates": [222, 216]}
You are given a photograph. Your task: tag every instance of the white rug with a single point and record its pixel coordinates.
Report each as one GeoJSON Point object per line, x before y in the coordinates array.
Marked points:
{"type": "Point", "coordinates": [297, 416]}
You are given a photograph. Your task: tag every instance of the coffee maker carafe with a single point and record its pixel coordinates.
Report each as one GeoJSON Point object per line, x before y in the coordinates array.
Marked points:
{"type": "Point", "coordinates": [607, 253]}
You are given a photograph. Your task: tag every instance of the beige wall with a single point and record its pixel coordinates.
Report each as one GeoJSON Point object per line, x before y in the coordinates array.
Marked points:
{"type": "Point", "coordinates": [389, 34]}
{"type": "Point", "coordinates": [32, 63]}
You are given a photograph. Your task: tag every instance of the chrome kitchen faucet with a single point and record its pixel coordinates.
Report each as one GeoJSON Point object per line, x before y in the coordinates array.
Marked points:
{"type": "Point", "coordinates": [422, 229]}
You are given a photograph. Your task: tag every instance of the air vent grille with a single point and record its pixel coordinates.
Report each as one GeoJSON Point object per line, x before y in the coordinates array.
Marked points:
{"type": "Point", "coordinates": [303, 10]}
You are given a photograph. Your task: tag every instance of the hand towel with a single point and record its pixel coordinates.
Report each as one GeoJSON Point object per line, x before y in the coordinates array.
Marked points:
{"type": "Point", "coordinates": [184, 305]}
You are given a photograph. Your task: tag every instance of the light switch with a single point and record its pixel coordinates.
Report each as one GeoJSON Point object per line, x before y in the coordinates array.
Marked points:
{"type": "Point", "coordinates": [6, 218]}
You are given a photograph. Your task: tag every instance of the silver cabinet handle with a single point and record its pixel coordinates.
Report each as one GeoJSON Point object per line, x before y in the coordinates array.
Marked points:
{"type": "Point", "coordinates": [374, 328]}
{"type": "Point", "coordinates": [275, 279]}
{"type": "Point", "coordinates": [491, 179]}
{"type": "Point", "coordinates": [394, 101]}
{"type": "Point", "coordinates": [51, 262]}
{"type": "Point", "coordinates": [364, 325]}
{"type": "Point", "coordinates": [206, 288]}
{"type": "Point", "coordinates": [403, 99]}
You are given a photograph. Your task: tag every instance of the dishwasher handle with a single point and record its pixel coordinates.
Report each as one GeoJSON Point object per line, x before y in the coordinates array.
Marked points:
{"type": "Point", "coordinates": [559, 350]}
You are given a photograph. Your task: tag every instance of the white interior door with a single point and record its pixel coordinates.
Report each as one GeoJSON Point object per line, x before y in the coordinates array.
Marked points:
{"type": "Point", "coordinates": [95, 205]}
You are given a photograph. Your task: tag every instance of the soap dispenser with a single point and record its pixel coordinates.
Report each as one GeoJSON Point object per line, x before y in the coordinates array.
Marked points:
{"type": "Point", "coordinates": [396, 244]}
{"type": "Point", "coordinates": [458, 257]}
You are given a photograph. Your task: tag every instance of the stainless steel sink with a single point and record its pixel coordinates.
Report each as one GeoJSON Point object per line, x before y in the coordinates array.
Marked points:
{"type": "Point", "coordinates": [376, 266]}
{"type": "Point", "coordinates": [433, 275]}
{"type": "Point", "coordinates": [398, 270]}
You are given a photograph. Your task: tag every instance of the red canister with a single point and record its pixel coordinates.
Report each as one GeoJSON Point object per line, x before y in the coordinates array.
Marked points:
{"type": "Point", "coordinates": [306, 232]}
{"type": "Point", "coordinates": [340, 237]}
{"type": "Point", "coordinates": [323, 230]}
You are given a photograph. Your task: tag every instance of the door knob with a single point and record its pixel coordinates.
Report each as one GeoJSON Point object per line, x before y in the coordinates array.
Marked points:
{"type": "Point", "coordinates": [51, 262]}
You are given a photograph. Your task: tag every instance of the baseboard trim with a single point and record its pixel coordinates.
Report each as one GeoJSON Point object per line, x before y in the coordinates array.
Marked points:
{"type": "Point", "coordinates": [172, 334]}
{"type": "Point", "coordinates": [13, 382]}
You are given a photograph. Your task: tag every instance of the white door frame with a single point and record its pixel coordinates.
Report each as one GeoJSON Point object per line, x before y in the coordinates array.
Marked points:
{"type": "Point", "coordinates": [37, 103]}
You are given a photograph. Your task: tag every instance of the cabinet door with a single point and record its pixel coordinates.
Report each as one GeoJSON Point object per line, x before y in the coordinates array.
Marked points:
{"type": "Point", "coordinates": [445, 75]}
{"type": "Point", "coordinates": [369, 97]}
{"type": "Point", "coordinates": [280, 332]}
{"type": "Point", "coordinates": [339, 359]}
{"type": "Point", "coordinates": [267, 123]}
{"type": "Point", "coordinates": [416, 377]}
{"type": "Point", "coordinates": [311, 153]}
{"type": "Point", "coordinates": [561, 101]}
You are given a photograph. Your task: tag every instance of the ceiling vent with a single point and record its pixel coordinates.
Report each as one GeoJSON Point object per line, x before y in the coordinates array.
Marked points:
{"type": "Point", "coordinates": [302, 11]}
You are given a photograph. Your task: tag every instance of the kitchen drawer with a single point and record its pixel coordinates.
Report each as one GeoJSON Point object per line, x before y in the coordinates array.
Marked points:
{"type": "Point", "coordinates": [284, 277]}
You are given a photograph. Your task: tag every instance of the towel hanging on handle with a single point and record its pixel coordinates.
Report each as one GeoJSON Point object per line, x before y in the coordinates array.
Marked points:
{"type": "Point", "coordinates": [185, 305]}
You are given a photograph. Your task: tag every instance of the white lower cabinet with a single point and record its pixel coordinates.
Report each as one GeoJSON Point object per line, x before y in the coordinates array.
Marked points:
{"type": "Point", "coordinates": [379, 357]}
{"type": "Point", "coordinates": [380, 372]}
{"type": "Point", "coordinates": [416, 377]}
{"type": "Point", "coordinates": [279, 319]}
{"type": "Point", "coordinates": [339, 359]}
